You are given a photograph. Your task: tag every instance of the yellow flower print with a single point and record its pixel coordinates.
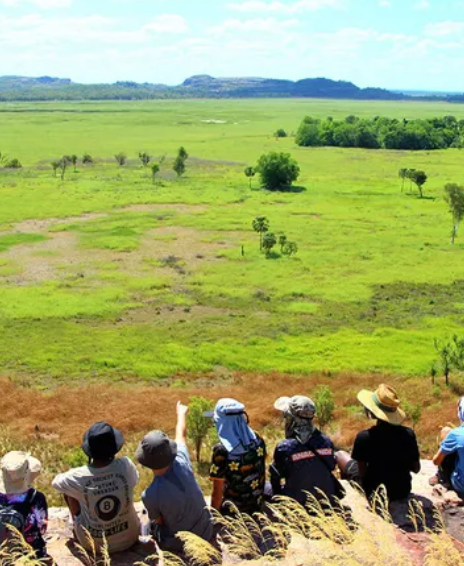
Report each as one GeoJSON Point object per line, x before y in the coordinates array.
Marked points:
{"type": "Point", "coordinates": [260, 452]}
{"type": "Point", "coordinates": [214, 469]}
{"type": "Point", "coordinates": [255, 484]}
{"type": "Point", "coordinates": [234, 466]}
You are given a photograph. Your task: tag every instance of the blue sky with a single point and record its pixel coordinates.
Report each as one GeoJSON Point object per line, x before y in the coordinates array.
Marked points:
{"type": "Point", "coordinates": [410, 44]}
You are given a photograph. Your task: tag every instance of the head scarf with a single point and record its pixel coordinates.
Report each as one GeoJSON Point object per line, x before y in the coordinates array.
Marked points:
{"type": "Point", "coordinates": [461, 410]}
{"type": "Point", "coordinates": [232, 428]}
{"type": "Point", "coordinates": [299, 419]}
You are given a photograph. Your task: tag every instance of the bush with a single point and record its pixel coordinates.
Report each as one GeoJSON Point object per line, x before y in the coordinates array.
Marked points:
{"type": "Point", "coordinates": [277, 171]}
{"type": "Point", "coordinates": [198, 427]}
{"type": "Point", "coordinates": [13, 164]}
{"type": "Point", "coordinates": [325, 405]}
{"type": "Point", "coordinates": [280, 133]}
{"type": "Point", "coordinates": [87, 158]}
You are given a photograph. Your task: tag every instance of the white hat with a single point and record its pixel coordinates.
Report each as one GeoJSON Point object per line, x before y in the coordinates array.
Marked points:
{"type": "Point", "coordinates": [18, 471]}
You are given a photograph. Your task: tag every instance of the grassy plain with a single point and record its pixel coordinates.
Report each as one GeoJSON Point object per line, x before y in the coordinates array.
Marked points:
{"type": "Point", "coordinates": [107, 277]}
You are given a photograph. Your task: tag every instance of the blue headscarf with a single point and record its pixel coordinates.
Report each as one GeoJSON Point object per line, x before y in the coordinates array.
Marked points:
{"type": "Point", "coordinates": [232, 428]}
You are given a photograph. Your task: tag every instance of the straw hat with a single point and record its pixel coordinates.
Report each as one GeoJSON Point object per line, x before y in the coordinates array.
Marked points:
{"type": "Point", "coordinates": [383, 404]}
{"type": "Point", "coordinates": [18, 471]}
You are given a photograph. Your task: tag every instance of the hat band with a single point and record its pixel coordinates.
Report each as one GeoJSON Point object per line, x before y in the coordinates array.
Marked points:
{"type": "Point", "coordinates": [380, 405]}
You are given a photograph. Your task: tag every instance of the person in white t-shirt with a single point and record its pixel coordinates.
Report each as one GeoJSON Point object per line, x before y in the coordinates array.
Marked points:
{"type": "Point", "coordinates": [100, 496]}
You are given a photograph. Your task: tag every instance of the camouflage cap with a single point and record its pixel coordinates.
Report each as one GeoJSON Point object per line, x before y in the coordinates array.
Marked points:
{"type": "Point", "coordinates": [298, 406]}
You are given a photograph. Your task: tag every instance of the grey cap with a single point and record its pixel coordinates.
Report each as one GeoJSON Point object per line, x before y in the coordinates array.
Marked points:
{"type": "Point", "coordinates": [156, 451]}
{"type": "Point", "coordinates": [298, 406]}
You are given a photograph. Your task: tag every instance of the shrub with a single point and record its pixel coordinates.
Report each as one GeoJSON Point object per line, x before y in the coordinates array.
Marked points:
{"type": "Point", "coordinates": [280, 133]}
{"type": "Point", "coordinates": [13, 163]}
{"type": "Point", "coordinates": [325, 405]}
{"type": "Point", "coordinates": [87, 158]}
{"type": "Point", "coordinates": [277, 170]}
{"type": "Point", "coordinates": [198, 427]}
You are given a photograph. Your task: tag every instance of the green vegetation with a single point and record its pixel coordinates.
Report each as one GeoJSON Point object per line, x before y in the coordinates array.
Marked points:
{"type": "Point", "coordinates": [454, 196]}
{"type": "Point", "coordinates": [102, 275]}
{"type": "Point", "coordinates": [198, 426]}
{"type": "Point", "coordinates": [278, 171]}
{"type": "Point", "coordinates": [388, 133]}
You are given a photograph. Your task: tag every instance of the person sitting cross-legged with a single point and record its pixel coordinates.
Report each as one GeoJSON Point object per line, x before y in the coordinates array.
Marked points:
{"type": "Point", "coordinates": [304, 461]}
{"type": "Point", "coordinates": [100, 496]}
{"type": "Point", "coordinates": [238, 463]}
{"type": "Point", "coordinates": [174, 500]}
{"type": "Point", "coordinates": [385, 454]}
{"type": "Point", "coordinates": [450, 457]}
{"type": "Point", "coordinates": [21, 505]}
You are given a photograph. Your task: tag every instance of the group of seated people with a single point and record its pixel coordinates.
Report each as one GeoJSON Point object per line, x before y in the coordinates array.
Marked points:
{"type": "Point", "coordinates": [100, 495]}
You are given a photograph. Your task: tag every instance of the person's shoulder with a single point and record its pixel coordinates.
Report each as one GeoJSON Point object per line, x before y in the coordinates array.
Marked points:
{"type": "Point", "coordinates": [259, 439]}
{"type": "Point", "coordinates": [364, 435]}
{"type": "Point", "coordinates": [219, 449]}
{"type": "Point", "coordinates": [39, 498]}
{"type": "Point", "coordinates": [408, 431]}
{"type": "Point", "coordinates": [287, 445]}
{"type": "Point", "coordinates": [124, 462]}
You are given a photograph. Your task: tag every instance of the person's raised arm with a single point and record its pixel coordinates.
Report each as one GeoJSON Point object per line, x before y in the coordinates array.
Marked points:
{"type": "Point", "coordinates": [181, 427]}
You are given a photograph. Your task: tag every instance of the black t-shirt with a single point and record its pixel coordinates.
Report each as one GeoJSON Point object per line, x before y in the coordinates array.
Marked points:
{"type": "Point", "coordinates": [389, 452]}
{"type": "Point", "coordinates": [296, 468]}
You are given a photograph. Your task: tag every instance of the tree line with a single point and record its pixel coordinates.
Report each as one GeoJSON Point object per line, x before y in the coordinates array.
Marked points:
{"type": "Point", "coordinates": [381, 132]}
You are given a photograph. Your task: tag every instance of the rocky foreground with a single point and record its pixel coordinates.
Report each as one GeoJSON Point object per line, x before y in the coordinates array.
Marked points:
{"type": "Point", "coordinates": [410, 544]}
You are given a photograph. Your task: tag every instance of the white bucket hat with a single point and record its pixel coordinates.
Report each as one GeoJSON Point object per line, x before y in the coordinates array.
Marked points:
{"type": "Point", "coordinates": [18, 471]}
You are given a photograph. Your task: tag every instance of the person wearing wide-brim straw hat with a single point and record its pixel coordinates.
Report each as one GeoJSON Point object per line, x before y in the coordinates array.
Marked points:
{"type": "Point", "coordinates": [19, 471]}
{"type": "Point", "coordinates": [387, 453]}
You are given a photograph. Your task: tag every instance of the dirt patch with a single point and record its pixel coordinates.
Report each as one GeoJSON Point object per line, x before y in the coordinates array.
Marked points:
{"type": "Point", "coordinates": [150, 313]}
{"type": "Point", "coordinates": [34, 226]}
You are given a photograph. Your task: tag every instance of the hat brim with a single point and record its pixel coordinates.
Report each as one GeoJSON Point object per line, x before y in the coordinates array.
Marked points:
{"type": "Point", "coordinates": [118, 438]}
{"type": "Point", "coordinates": [282, 404]}
{"type": "Point", "coordinates": [146, 461]}
{"type": "Point", "coordinates": [21, 486]}
{"type": "Point", "coordinates": [366, 398]}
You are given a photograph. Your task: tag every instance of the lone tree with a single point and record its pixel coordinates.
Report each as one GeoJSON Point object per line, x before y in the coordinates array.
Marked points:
{"type": "Point", "coordinates": [250, 172]}
{"type": "Point", "coordinates": [179, 162]}
{"type": "Point", "coordinates": [419, 178]}
{"type": "Point", "coordinates": [403, 174]}
{"type": "Point", "coordinates": [409, 175]}
{"type": "Point", "coordinates": [145, 158]}
{"type": "Point", "coordinates": [55, 165]}
{"type": "Point", "coordinates": [290, 248]}
{"type": "Point", "coordinates": [282, 242]}
{"type": "Point", "coordinates": [280, 133]}
{"type": "Point", "coordinates": [277, 171]}
{"type": "Point", "coordinates": [269, 241]}
{"type": "Point", "coordinates": [261, 225]}
{"type": "Point", "coordinates": [155, 169]}
{"type": "Point", "coordinates": [87, 159]}
{"type": "Point", "coordinates": [121, 158]}
{"type": "Point", "coordinates": [454, 196]}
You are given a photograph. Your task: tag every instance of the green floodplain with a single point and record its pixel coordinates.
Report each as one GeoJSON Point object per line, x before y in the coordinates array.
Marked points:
{"type": "Point", "coordinates": [107, 275]}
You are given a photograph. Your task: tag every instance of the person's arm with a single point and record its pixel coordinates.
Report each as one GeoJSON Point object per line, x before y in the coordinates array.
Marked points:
{"type": "Point", "coordinates": [181, 427]}
{"type": "Point", "coordinates": [277, 469]}
{"type": "Point", "coordinates": [415, 459]}
{"type": "Point", "coordinates": [438, 458]}
{"type": "Point", "coordinates": [217, 493]}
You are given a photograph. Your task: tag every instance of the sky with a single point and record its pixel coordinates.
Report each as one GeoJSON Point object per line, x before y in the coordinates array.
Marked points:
{"type": "Point", "coordinates": [403, 44]}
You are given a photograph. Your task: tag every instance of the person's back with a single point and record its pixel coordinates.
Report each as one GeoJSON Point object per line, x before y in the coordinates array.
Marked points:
{"type": "Point", "coordinates": [389, 453]}
{"type": "Point", "coordinates": [298, 468]}
{"type": "Point", "coordinates": [21, 505]}
{"type": "Point", "coordinates": [102, 492]}
{"type": "Point", "coordinates": [177, 498]}
{"type": "Point", "coordinates": [174, 500]}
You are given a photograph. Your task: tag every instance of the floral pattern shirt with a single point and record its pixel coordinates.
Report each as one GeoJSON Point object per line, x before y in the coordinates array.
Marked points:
{"type": "Point", "coordinates": [36, 521]}
{"type": "Point", "coordinates": [244, 475]}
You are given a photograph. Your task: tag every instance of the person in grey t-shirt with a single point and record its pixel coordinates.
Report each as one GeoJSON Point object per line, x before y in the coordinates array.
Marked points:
{"type": "Point", "coordinates": [174, 500]}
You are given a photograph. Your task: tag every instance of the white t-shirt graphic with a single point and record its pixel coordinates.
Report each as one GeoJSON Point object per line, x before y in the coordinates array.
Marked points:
{"type": "Point", "coordinates": [106, 497]}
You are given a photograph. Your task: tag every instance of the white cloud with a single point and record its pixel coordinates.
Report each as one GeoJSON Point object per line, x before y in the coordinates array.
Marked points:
{"type": "Point", "coordinates": [44, 4]}
{"type": "Point", "coordinates": [261, 25]}
{"type": "Point", "coordinates": [168, 23]}
{"type": "Point", "coordinates": [443, 29]}
{"type": "Point", "coordinates": [276, 6]}
{"type": "Point", "coordinates": [421, 5]}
